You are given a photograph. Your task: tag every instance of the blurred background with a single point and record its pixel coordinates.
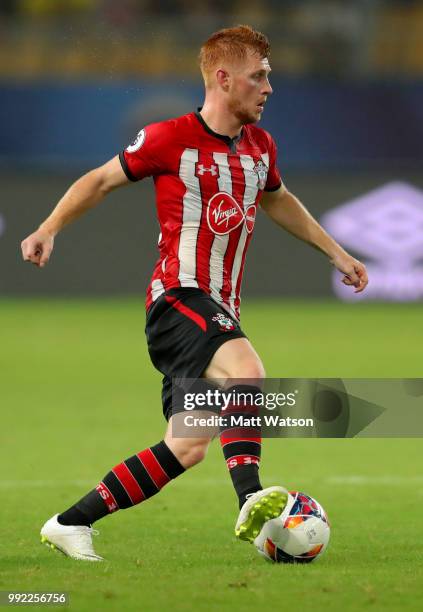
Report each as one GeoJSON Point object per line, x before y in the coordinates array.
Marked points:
{"type": "Point", "coordinates": [79, 78]}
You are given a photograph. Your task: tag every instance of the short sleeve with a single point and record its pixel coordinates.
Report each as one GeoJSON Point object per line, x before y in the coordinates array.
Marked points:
{"type": "Point", "coordinates": [148, 154]}
{"type": "Point", "coordinates": [274, 180]}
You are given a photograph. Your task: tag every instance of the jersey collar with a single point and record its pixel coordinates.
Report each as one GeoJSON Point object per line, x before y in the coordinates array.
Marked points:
{"type": "Point", "coordinates": [231, 142]}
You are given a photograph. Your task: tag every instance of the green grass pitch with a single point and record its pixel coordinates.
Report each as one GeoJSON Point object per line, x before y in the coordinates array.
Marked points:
{"type": "Point", "coordinates": [78, 395]}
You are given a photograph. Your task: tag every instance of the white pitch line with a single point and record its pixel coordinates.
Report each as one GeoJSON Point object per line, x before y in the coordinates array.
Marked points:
{"type": "Point", "coordinates": [374, 480]}
{"type": "Point", "coordinates": [350, 480]}
{"type": "Point", "coordinates": [39, 484]}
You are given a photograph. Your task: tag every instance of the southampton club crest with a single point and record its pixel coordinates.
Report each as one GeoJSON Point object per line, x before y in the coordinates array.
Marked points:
{"type": "Point", "coordinates": [225, 322]}
{"type": "Point", "coordinates": [261, 170]}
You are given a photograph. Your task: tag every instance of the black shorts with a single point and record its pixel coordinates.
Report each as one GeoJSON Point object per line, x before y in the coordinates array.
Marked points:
{"type": "Point", "coordinates": [184, 329]}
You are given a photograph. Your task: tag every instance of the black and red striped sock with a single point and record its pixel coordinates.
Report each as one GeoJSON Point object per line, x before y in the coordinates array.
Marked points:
{"type": "Point", "coordinates": [129, 483]}
{"type": "Point", "coordinates": [241, 445]}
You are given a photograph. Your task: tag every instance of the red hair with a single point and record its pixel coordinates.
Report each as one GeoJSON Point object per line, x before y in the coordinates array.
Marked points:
{"type": "Point", "coordinates": [232, 44]}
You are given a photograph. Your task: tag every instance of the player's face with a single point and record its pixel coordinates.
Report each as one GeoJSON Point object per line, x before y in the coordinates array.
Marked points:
{"type": "Point", "coordinates": [249, 88]}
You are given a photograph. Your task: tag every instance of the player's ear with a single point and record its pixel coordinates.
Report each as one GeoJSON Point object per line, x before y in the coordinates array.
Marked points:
{"type": "Point", "coordinates": [222, 78]}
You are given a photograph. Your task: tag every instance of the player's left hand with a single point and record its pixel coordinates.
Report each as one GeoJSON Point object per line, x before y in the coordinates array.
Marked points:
{"type": "Point", "coordinates": [354, 271]}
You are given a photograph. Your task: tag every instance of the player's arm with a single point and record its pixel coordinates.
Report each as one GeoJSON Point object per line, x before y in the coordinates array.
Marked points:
{"type": "Point", "coordinates": [84, 194]}
{"type": "Point", "coordinates": [285, 209]}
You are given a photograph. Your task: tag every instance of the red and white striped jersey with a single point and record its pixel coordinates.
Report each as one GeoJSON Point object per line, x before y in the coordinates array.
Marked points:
{"type": "Point", "coordinates": [208, 187]}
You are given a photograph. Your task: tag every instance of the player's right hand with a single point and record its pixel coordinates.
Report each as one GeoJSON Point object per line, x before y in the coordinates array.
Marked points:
{"type": "Point", "coordinates": [37, 247]}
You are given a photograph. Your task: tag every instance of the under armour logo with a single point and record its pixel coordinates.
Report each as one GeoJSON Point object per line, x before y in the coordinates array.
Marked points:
{"type": "Point", "coordinates": [201, 169]}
